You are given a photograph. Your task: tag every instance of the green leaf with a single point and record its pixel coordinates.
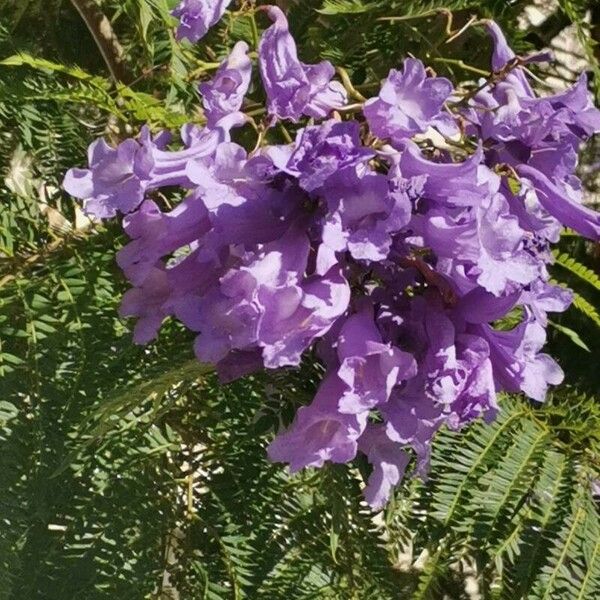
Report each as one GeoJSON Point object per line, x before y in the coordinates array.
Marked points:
{"type": "Point", "coordinates": [572, 335]}
{"type": "Point", "coordinates": [584, 273]}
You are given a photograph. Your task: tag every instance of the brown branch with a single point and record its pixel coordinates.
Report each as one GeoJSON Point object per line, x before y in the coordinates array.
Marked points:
{"type": "Point", "coordinates": [432, 277]}
{"type": "Point", "coordinates": [105, 38]}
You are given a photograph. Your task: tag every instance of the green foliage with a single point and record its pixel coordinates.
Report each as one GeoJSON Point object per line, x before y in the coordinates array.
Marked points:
{"type": "Point", "coordinates": [128, 473]}
{"type": "Point", "coordinates": [512, 499]}
{"type": "Point", "coordinates": [586, 274]}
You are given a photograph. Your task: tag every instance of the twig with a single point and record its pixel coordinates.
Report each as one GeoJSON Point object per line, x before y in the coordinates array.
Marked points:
{"type": "Point", "coordinates": [460, 63]}
{"type": "Point", "coordinates": [352, 91]}
{"type": "Point", "coordinates": [429, 13]}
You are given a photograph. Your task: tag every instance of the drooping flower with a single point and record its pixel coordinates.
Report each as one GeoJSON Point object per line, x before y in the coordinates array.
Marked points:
{"type": "Point", "coordinates": [542, 298]}
{"type": "Point", "coordinates": [369, 368]}
{"type": "Point", "coordinates": [363, 214]}
{"type": "Point", "coordinates": [561, 204]}
{"type": "Point", "coordinates": [486, 243]}
{"type": "Point", "coordinates": [320, 432]}
{"type": "Point", "coordinates": [517, 362]}
{"type": "Point", "coordinates": [146, 302]}
{"type": "Point", "coordinates": [117, 178]}
{"type": "Point", "coordinates": [196, 17]}
{"type": "Point", "coordinates": [392, 262]}
{"type": "Point", "coordinates": [293, 88]}
{"type": "Point", "coordinates": [266, 281]}
{"type": "Point", "coordinates": [225, 93]}
{"type": "Point", "coordinates": [389, 461]}
{"type": "Point", "coordinates": [445, 182]}
{"type": "Point", "coordinates": [155, 234]}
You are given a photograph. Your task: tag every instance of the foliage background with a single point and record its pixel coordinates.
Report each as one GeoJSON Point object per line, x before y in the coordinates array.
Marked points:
{"type": "Point", "coordinates": [127, 473]}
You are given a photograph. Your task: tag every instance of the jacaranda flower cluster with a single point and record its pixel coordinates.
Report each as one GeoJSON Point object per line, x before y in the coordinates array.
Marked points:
{"type": "Point", "coordinates": [389, 242]}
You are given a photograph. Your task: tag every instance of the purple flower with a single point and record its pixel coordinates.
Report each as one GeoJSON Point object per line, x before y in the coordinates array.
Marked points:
{"type": "Point", "coordinates": [576, 107]}
{"type": "Point", "coordinates": [457, 370]}
{"type": "Point", "coordinates": [265, 301]}
{"type": "Point", "coordinates": [389, 462]}
{"type": "Point", "coordinates": [561, 204]}
{"type": "Point", "coordinates": [389, 264]}
{"type": "Point", "coordinates": [572, 110]}
{"type": "Point", "coordinates": [517, 362]}
{"type": "Point", "coordinates": [323, 150]}
{"type": "Point", "coordinates": [540, 138]}
{"type": "Point", "coordinates": [411, 419]}
{"type": "Point", "coordinates": [118, 178]}
{"type": "Point", "coordinates": [293, 88]}
{"type": "Point", "coordinates": [247, 202]}
{"type": "Point", "coordinates": [369, 368]}
{"type": "Point", "coordinates": [225, 93]}
{"type": "Point", "coordinates": [363, 214]}
{"type": "Point", "coordinates": [147, 304]}
{"type": "Point", "coordinates": [542, 298]}
{"type": "Point", "coordinates": [479, 306]}
{"type": "Point", "coordinates": [533, 217]}
{"type": "Point", "coordinates": [286, 335]}
{"type": "Point", "coordinates": [156, 234]}
{"type": "Point", "coordinates": [447, 183]}
{"type": "Point", "coordinates": [486, 244]}
{"type": "Point", "coordinates": [319, 432]}
{"type": "Point", "coordinates": [266, 285]}
{"type": "Point", "coordinates": [409, 103]}
{"type": "Point", "coordinates": [502, 55]}
{"type": "Point", "coordinates": [473, 375]}
{"type": "Point", "coordinates": [196, 17]}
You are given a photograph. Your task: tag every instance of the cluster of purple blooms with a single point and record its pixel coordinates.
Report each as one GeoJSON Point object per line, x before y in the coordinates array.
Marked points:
{"type": "Point", "coordinates": [389, 255]}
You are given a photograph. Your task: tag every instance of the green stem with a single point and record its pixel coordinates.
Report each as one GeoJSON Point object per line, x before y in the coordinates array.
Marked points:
{"type": "Point", "coordinates": [254, 27]}
{"type": "Point", "coordinates": [352, 91]}
{"type": "Point", "coordinates": [460, 63]}
{"type": "Point", "coordinates": [429, 13]}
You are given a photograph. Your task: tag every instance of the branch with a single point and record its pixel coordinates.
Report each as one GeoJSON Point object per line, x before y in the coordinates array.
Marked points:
{"type": "Point", "coordinates": [105, 38]}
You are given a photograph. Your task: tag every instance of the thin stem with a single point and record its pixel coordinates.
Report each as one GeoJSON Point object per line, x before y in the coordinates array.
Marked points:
{"type": "Point", "coordinates": [254, 27]}
{"type": "Point", "coordinates": [350, 107]}
{"type": "Point", "coordinates": [206, 66]}
{"type": "Point", "coordinates": [429, 13]}
{"type": "Point", "coordinates": [460, 63]}
{"type": "Point", "coordinates": [352, 91]}
{"type": "Point", "coordinates": [285, 133]}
